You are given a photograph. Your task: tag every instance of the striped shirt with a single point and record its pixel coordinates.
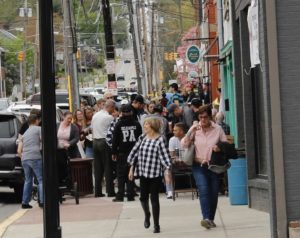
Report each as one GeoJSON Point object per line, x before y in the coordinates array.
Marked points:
{"type": "Point", "coordinates": [149, 156]}
{"type": "Point", "coordinates": [110, 132]}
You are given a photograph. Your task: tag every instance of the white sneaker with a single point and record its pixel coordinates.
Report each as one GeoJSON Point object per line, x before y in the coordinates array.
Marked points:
{"type": "Point", "coordinates": [169, 195]}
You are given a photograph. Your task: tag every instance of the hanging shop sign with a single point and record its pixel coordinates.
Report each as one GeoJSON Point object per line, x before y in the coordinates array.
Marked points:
{"type": "Point", "coordinates": [253, 25]}
{"type": "Point", "coordinates": [193, 54]}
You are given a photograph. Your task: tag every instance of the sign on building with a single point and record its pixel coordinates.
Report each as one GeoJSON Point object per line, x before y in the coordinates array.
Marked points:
{"type": "Point", "coordinates": [253, 25]}
{"type": "Point", "coordinates": [193, 54]}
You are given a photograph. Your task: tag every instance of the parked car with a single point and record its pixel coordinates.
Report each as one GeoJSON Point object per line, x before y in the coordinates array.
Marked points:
{"type": "Point", "coordinates": [11, 172]}
{"type": "Point", "coordinates": [62, 99]}
{"type": "Point", "coordinates": [24, 109]}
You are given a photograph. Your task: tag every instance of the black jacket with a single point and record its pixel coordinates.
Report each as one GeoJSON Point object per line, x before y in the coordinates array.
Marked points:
{"type": "Point", "coordinates": [73, 151]}
{"type": "Point", "coordinates": [227, 152]}
{"type": "Point", "coordinates": [125, 135]}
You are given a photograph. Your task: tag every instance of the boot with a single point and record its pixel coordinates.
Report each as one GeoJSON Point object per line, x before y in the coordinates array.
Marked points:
{"type": "Point", "coordinates": [145, 206]}
{"type": "Point", "coordinates": [155, 213]}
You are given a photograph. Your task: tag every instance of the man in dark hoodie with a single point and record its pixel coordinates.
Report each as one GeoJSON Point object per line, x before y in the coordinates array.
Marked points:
{"type": "Point", "coordinates": [137, 105]}
{"type": "Point", "coordinates": [125, 135]}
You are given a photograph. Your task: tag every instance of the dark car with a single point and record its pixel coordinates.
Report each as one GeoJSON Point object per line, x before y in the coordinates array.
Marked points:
{"type": "Point", "coordinates": [11, 172]}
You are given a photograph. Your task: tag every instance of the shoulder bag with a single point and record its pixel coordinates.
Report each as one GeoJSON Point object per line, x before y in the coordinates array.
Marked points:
{"type": "Point", "coordinates": [189, 154]}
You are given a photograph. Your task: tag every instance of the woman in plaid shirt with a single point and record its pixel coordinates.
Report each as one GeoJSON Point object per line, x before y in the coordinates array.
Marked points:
{"type": "Point", "coordinates": [147, 158]}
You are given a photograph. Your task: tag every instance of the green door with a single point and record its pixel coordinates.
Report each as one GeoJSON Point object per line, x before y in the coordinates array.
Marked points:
{"type": "Point", "coordinates": [229, 94]}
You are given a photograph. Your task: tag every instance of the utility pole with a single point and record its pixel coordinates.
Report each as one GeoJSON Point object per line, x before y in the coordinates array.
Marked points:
{"type": "Point", "coordinates": [36, 56]}
{"type": "Point", "coordinates": [221, 45]}
{"type": "Point", "coordinates": [146, 50]}
{"type": "Point", "coordinates": [52, 227]}
{"type": "Point", "coordinates": [24, 68]}
{"type": "Point", "coordinates": [1, 79]}
{"type": "Point", "coordinates": [152, 48]}
{"type": "Point", "coordinates": [70, 45]}
{"type": "Point", "coordinates": [133, 27]}
{"type": "Point", "coordinates": [110, 49]}
{"type": "Point", "coordinates": [138, 33]}
{"type": "Point", "coordinates": [180, 15]}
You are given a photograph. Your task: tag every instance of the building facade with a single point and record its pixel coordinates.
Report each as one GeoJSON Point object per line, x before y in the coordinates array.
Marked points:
{"type": "Point", "coordinates": [266, 95]}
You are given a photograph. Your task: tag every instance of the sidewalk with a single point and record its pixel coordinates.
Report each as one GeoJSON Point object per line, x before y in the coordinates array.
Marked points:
{"type": "Point", "coordinates": [101, 218]}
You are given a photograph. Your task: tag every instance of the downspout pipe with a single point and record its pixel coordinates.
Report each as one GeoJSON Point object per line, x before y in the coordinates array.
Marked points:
{"type": "Point", "coordinates": [221, 45]}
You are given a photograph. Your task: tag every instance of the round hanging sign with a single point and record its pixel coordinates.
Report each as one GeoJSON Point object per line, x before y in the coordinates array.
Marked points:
{"type": "Point", "coordinates": [193, 54]}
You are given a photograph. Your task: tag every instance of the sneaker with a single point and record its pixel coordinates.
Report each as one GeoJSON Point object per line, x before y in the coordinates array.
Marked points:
{"type": "Point", "coordinates": [100, 195]}
{"type": "Point", "coordinates": [169, 195]}
{"type": "Point", "coordinates": [206, 223]}
{"type": "Point", "coordinates": [212, 224]}
{"type": "Point", "coordinates": [118, 200]}
{"type": "Point", "coordinates": [130, 199]}
{"type": "Point", "coordinates": [26, 206]}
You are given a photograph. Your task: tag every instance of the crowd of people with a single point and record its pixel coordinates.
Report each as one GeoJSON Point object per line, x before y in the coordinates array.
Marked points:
{"type": "Point", "coordinates": [141, 139]}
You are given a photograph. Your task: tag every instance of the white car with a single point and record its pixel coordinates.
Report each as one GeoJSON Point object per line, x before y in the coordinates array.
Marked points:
{"type": "Point", "coordinates": [24, 109]}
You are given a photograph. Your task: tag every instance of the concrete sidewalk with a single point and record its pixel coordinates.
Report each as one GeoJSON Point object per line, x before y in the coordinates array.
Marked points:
{"type": "Point", "coordinates": [101, 218]}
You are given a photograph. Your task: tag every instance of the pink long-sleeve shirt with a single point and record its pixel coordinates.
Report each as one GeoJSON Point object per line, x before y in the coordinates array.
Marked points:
{"type": "Point", "coordinates": [204, 141]}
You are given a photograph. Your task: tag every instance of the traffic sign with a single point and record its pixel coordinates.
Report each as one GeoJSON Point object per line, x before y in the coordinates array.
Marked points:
{"type": "Point", "coordinates": [110, 66]}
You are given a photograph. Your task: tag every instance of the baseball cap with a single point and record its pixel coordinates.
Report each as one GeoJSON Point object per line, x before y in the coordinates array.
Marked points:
{"type": "Point", "coordinates": [126, 108]}
{"type": "Point", "coordinates": [196, 102]}
{"type": "Point", "coordinates": [139, 98]}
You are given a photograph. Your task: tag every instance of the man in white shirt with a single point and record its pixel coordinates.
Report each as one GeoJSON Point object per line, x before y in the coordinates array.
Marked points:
{"type": "Point", "coordinates": [102, 159]}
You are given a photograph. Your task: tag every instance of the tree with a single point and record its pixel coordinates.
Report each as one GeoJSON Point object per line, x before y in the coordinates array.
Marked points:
{"type": "Point", "coordinates": [11, 63]}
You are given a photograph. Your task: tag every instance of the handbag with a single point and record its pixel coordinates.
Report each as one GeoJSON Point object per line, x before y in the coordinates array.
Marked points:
{"type": "Point", "coordinates": [189, 155]}
{"type": "Point", "coordinates": [219, 169]}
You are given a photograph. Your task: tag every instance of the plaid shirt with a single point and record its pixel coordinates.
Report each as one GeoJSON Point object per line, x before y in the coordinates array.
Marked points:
{"type": "Point", "coordinates": [148, 156]}
{"type": "Point", "coordinates": [110, 132]}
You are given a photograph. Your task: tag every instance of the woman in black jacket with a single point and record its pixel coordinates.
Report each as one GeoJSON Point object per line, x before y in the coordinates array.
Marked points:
{"type": "Point", "coordinates": [67, 136]}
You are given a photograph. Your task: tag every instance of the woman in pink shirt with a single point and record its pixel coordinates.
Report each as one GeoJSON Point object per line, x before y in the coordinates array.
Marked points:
{"type": "Point", "coordinates": [205, 135]}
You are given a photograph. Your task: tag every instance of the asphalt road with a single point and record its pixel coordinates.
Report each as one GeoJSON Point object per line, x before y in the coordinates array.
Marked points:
{"type": "Point", "coordinates": [8, 203]}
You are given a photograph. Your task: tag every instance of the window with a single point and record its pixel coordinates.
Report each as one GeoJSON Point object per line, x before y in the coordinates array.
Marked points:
{"type": "Point", "coordinates": [7, 129]}
{"type": "Point", "coordinates": [259, 121]}
{"type": "Point", "coordinates": [62, 98]}
{"type": "Point", "coordinates": [3, 104]}
{"type": "Point", "coordinates": [120, 78]}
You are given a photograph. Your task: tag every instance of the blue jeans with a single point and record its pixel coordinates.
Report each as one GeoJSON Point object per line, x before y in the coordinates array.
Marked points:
{"type": "Point", "coordinates": [89, 153]}
{"type": "Point", "coordinates": [208, 188]}
{"type": "Point", "coordinates": [32, 167]}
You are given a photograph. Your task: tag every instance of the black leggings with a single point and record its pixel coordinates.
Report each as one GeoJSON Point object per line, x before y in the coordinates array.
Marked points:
{"type": "Point", "coordinates": [150, 186]}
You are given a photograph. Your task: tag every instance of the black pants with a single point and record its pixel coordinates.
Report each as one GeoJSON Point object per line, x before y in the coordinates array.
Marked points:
{"type": "Point", "coordinates": [102, 167]}
{"type": "Point", "coordinates": [122, 175]}
{"type": "Point", "coordinates": [62, 165]}
{"type": "Point", "coordinates": [150, 186]}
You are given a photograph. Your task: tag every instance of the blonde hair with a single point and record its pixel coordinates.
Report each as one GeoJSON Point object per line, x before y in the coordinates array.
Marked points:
{"type": "Point", "coordinates": [154, 123]}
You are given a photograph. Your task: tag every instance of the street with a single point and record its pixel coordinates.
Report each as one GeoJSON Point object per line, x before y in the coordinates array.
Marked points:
{"type": "Point", "coordinates": [8, 203]}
